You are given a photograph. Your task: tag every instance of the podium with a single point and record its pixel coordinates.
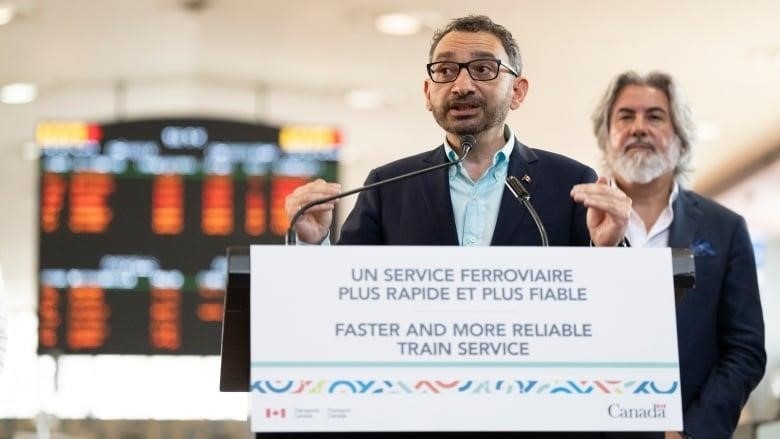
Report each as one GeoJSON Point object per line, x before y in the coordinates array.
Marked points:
{"type": "Point", "coordinates": [235, 349]}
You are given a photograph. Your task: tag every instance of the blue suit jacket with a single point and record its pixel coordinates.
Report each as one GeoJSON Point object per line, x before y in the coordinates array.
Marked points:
{"type": "Point", "coordinates": [418, 210]}
{"type": "Point", "coordinates": [720, 326]}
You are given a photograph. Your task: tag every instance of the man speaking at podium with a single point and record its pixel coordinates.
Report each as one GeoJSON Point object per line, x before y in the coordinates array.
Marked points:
{"type": "Point", "coordinates": [474, 79]}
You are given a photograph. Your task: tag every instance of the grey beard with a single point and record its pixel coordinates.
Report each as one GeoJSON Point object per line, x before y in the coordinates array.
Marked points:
{"type": "Point", "coordinates": [645, 166]}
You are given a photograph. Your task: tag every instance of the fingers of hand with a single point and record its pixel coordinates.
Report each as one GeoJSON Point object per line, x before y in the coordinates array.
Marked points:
{"type": "Point", "coordinates": [611, 200]}
{"type": "Point", "coordinates": [312, 191]}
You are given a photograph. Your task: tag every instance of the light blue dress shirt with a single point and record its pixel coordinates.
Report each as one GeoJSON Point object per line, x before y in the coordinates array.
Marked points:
{"type": "Point", "coordinates": [475, 204]}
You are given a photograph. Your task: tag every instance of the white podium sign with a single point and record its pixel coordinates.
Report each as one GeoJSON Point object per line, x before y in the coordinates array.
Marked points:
{"type": "Point", "coordinates": [361, 339]}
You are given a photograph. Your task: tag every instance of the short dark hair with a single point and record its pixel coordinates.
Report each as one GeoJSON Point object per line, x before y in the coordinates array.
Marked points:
{"type": "Point", "coordinates": [481, 23]}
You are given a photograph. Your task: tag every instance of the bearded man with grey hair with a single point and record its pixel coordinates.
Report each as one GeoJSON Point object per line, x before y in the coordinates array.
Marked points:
{"type": "Point", "coordinates": [645, 131]}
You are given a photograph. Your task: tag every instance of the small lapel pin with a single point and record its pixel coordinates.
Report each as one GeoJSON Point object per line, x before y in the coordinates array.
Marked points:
{"type": "Point", "coordinates": [526, 178]}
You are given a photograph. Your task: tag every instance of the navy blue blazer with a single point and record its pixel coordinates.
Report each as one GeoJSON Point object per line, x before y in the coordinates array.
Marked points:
{"type": "Point", "coordinates": [720, 325]}
{"type": "Point", "coordinates": [418, 210]}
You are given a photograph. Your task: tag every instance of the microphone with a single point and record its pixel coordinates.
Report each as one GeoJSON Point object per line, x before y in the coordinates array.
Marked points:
{"type": "Point", "coordinates": [467, 142]}
{"type": "Point", "coordinates": [523, 196]}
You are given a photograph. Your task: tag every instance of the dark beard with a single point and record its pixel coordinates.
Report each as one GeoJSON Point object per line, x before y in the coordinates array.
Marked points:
{"type": "Point", "coordinates": [490, 117]}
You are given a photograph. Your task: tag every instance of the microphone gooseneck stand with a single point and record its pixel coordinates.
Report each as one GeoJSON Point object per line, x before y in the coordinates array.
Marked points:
{"type": "Point", "coordinates": [522, 195]}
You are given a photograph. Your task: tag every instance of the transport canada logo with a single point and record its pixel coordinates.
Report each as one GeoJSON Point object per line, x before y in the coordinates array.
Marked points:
{"type": "Point", "coordinates": [648, 412]}
{"type": "Point", "coordinates": [275, 413]}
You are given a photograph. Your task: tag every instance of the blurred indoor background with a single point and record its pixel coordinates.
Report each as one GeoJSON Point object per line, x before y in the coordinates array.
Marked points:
{"type": "Point", "coordinates": [357, 65]}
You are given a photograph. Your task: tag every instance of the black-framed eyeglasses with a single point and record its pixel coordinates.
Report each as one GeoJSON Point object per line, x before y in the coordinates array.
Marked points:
{"type": "Point", "coordinates": [479, 69]}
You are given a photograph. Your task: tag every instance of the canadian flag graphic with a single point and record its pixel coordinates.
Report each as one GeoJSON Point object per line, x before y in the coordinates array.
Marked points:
{"type": "Point", "coordinates": [275, 413]}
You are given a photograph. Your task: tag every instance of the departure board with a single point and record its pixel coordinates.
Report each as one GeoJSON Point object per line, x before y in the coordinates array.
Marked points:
{"type": "Point", "coordinates": [136, 217]}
